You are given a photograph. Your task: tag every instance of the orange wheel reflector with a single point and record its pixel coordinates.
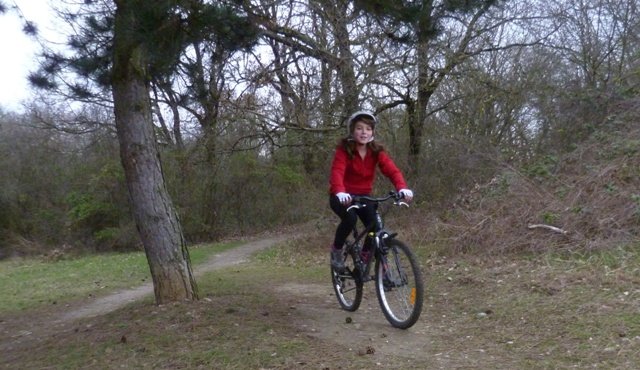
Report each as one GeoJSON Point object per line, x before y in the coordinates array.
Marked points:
{"type": "Point", "coordinates": [413, 296]}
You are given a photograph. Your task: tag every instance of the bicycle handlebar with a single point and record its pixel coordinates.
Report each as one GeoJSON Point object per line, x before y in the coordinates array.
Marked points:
{"type": "Point", "coordinates": [357, 200]}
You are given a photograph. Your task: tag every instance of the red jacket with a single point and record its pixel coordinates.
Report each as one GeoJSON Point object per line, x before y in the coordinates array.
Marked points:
{"type": "Point", "coordinates": [356, 175]}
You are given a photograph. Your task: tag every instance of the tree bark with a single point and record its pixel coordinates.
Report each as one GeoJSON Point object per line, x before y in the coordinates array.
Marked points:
{"type": "Point", "coordinates": [155, 216]}
{"type": "Point", "coordinates": [424, 30]}
{"type": "Point", "coordinates": [345, 66]}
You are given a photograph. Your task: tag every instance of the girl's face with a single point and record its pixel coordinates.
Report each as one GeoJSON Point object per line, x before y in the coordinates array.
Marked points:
{"type": "Point", "coordinates": [362, 133]}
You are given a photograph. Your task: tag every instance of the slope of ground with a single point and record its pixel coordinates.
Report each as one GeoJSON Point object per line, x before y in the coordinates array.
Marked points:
{"type": "Point", "coordinates": [585, 200]}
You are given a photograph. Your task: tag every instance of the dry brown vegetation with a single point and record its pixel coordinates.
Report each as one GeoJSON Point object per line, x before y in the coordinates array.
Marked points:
{"type": "Point", "coordinates": [585, 200]}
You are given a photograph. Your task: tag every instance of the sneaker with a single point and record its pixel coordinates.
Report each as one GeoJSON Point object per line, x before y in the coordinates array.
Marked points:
{"type": "Point", "coordinates": [337, 260]}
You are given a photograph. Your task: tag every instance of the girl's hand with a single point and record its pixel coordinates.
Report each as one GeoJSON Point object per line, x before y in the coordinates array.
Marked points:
{"type": "Point", "coordinates": [344, 198]}
{"type": "Point", "coordinates": [406, 194]}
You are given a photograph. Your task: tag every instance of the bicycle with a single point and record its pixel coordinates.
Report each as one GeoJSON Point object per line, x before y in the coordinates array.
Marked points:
{"type": "Point", "coordinates": [397, 275]}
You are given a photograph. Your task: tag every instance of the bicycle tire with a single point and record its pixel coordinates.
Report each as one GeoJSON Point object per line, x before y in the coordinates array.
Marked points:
{"type": "Point", "coordinates": [399, 285]}
{"type": "Point", "coordinates": [348, 285]}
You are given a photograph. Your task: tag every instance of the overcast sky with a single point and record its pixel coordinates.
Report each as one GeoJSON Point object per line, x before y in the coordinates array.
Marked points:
{"type": "Point", "coordinates": [19, 50]}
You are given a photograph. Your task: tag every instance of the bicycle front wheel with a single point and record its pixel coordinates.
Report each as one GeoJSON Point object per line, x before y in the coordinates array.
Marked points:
{"type": "Point", "coordinates": [399, 285]}
{"type": "Point", "coordinates": [348, 284]}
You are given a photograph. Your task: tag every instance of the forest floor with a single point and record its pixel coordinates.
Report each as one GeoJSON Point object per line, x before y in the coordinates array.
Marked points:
{"type": "Point", "coordinates": [484, 313]}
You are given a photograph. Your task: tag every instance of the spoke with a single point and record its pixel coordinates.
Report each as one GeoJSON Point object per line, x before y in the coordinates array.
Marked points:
{"type": "Point", "coordinates": [400, 298]}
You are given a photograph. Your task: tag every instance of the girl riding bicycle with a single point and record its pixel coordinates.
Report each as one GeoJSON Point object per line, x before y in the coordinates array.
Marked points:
{"type": "Point", "coordinates": [352, 173]}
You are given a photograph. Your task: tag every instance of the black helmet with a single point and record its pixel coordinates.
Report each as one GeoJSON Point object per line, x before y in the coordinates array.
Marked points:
{"type": "Point", "coordinates": [358, 114]}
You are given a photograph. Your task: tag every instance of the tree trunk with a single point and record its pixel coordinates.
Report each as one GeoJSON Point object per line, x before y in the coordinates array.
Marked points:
{"type": "Point", "coordinates": [155, 216]}
{"type": "Point", "coordinates": [345, 66]}
{"type": "Point", "coordinates": [424, 31]}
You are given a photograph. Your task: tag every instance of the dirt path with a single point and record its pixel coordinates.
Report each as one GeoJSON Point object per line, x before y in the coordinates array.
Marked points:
{"type": "Point", "coordinates": [369, 334]}
{"type": "Point", "coordinates": [317, 315]}
{"type": "Point", "coordinates": [41, 324]}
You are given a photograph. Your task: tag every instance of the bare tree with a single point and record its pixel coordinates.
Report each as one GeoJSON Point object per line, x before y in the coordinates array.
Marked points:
{"type": "Point", "coordinates": [594, 53]}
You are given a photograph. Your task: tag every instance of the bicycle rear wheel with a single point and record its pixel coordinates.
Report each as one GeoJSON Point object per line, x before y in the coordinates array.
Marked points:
{"type": "Point", "coordinates": [399, 285]}
{"type": "Point", "coordinates": [348, 284]}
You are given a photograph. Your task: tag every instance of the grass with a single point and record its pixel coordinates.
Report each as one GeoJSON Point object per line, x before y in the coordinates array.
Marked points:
{"type": "Point", "coordinates": [546, 311]}
{"type": "Point", "coordinates": [32, 283]}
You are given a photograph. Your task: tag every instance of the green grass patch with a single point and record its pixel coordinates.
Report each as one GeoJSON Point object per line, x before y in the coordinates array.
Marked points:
{"type": "Point", "coordinates": [32, 283]}
{"type": "Point", "coordinates": [312, 262]}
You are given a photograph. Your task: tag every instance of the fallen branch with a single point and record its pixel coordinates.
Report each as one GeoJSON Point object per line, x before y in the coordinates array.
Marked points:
{"type": "Point", "coordinates": [549, 227]}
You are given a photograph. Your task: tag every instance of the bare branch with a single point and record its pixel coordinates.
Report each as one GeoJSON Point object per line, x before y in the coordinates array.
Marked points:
{"type": "Point", "coordinates": [548, 227]}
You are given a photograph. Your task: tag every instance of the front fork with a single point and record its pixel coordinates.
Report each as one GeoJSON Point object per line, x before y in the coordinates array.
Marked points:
{"type": "Point", "coordinates": [382, 249]}
{"type": "Point", "coordinates": [375, 243]}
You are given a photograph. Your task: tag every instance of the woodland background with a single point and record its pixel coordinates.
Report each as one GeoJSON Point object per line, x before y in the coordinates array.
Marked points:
{"type": "Point", "coordinates": [502, 114]}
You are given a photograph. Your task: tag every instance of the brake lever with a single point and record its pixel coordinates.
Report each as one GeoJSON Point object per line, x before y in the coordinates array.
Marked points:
{"type": "Point", "coordinates": [356, 206]}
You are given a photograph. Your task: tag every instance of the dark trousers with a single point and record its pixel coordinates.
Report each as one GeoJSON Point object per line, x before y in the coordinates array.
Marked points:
{"type": "Point", "coordinates": [348, 219]}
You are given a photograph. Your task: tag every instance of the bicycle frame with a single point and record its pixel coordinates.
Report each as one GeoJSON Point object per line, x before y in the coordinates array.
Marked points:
{"type": "Point", "coordinates": [377, 227]}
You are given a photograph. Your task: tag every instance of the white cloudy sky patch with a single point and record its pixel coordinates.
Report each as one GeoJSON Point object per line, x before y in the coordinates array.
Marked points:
{"type": "Point", "coordinates": [19, 51]}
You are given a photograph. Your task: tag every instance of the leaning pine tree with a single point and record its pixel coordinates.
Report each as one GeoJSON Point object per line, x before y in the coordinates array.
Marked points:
{"type": "Point", "coordinates": [121, 51]}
